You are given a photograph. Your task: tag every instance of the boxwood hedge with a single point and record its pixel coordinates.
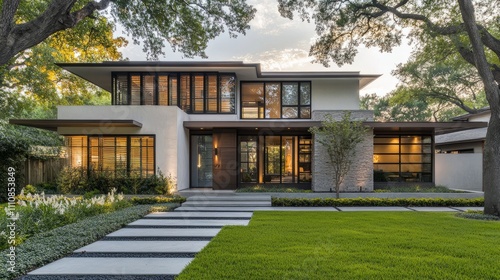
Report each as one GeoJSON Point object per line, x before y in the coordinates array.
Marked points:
{"type": "Point", "coordinates": [49, 246]}
{"type": "Point", "coordinates": [404, 202]}
{"type": "Point", "coordinates": [157, 199]}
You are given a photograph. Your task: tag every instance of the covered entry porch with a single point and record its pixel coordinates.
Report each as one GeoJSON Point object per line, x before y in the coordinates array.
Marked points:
{"type": "Point", "coordinates": [230, 155]}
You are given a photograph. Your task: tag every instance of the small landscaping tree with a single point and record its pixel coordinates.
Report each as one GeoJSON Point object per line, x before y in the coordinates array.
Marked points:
{"type": "Point", "coordinates": [340, 139]}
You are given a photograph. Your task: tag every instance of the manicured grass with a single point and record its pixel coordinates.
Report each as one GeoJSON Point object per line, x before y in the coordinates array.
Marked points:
{"type": "Point", "coordinates": [359, 245]}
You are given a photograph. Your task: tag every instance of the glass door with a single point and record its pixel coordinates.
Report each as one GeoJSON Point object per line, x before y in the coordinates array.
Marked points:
{"type": "Point", "coordinates": [201, 161]}
{"type": "Point", "coordinates": [248, 159]}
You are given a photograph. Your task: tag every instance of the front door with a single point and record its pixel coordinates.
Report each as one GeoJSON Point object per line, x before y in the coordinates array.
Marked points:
{"type": "Point", "coordinates": [201, 161]}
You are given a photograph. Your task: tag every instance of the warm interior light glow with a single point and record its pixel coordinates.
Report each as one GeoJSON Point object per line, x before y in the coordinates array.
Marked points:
{"type": "Point", "coordinates": [199, 160]}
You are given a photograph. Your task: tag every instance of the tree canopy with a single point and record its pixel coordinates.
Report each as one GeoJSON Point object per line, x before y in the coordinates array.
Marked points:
{"type": "Point", "coordinates": [470, 26]}
{"type": "Point", "coordinates": [186, 25]}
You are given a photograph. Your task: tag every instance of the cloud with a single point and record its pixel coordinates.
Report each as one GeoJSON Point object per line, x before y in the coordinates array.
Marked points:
{"type": "Point", "coordinates": [268, 20]}
{"type": "Point", "coordinates": [279, 60]}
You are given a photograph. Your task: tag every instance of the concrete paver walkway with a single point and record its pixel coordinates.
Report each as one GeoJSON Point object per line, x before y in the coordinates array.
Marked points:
{"type": "Point", "coordinates": [157, 246]}
{"type": "Point", "coordinates": [161, 245]}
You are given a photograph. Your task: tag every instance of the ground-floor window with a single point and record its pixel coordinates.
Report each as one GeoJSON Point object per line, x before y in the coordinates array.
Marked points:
{"type": "Point", "coordinates": [276, 159]}
{"type": "Point", "coordinates": [402, 158]}
{"type": "Point", "coordinates": [119, 155]}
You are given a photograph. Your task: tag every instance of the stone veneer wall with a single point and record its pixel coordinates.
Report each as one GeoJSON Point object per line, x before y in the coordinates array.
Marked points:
{"type": "Point", "coordinates": [361, 172]}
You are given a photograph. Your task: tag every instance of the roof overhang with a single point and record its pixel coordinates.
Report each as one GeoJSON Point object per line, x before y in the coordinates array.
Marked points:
{"type": "Point", "coordinates": [378, 127]}
{"type": "Point", "coordinates": [423, 127]}
{"type": "Point", "coordinates": [100, 73]}
{"type": "Point", "coordinates": [53, 124]}
{"type": "Point", "coordinates": [264, 125]}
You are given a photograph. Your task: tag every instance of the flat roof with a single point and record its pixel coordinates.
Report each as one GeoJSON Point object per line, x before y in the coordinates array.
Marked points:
{"type": "Point", "coordinates": [378, 127]}
{"type": "Point", "coordinates": [100, 73]}
{"type": "Point", "coordinates": [416, 127]}
{"type": "Point", "coordinates": [53, 124]}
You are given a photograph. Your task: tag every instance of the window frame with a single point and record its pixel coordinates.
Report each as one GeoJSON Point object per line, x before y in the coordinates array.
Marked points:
{"type": "Point", "coordinates": [400, 154]}
{"type": "Point", "coordinates": [177, 76]}
{"type": "Point", "coordinates": [88, 168]}
{"type": "Point", "coordinates": [299, 105]}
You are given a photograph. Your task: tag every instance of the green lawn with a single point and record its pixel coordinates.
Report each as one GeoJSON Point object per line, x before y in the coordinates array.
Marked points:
{"type": "Point", "coordinates": [359, 245]}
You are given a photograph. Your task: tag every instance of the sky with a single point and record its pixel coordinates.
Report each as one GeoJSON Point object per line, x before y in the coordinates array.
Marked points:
{"type": "Point", "coordinates": [281, 44]}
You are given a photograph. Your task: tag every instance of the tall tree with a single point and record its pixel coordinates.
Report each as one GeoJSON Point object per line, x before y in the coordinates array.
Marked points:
{"type": "Point", "coordinates": [343, 26]}
{"type": "Point", "coordinates": [32, 81]}
{"type": "Point", "coordinates": [186, 25]}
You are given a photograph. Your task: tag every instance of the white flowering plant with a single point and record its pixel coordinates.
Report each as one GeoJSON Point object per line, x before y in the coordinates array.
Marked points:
{"type": "Point", "coordinates": [40, 213]}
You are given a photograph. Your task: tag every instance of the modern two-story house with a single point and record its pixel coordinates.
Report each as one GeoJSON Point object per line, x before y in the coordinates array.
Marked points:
{"type": "Point", "coordinates": [224, 125]}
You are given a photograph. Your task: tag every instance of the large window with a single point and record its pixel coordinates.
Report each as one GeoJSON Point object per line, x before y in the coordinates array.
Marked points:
{"type": "Point", "coordinates": [275, 159]}
{"type": "Point", "coordinates": [120, 155]}
{"type": "Point", "coordinates": [192, 92]}
{"type": "Point", "coordinates": [276, 100]}
{"type": "Point", "coordinates": [405, 158]}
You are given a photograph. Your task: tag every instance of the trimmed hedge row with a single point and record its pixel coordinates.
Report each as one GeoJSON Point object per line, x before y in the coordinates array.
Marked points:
{"type": "Point", "coordinates": [403, 202]}
{"type": "Point", "coordinates": [157, 199]}
{"type": "Point", "coordinates": [49, 246]}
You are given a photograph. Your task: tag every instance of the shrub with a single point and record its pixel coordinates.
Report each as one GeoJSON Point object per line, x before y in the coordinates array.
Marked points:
{"type": "Point", "coordinates": [38, 213]}
{"type": "Point", "coordinates": [403, 202]}
{"type": "Point", "coordinates": [72, 180]}
{"type": "Point", "coordinates": [157, 199]}
{"type": "Point", "coordinates": [89, 195]}
{"type": "Point", "coordinates": [29, 189]}
{"type": "Point", "coordinates": [49, 246]}
{"type": "Point", "coordinates": [79, 181]}
{"type": "Point", "coordinates": [47, 188]}
{"type": "Point", "coordinates": [477, 215]}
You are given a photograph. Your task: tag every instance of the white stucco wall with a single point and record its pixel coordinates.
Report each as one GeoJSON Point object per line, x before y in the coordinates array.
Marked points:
{"type": "Point", "coordinates": [336, 94]}
{"type": "Point", "coordinates": [459, 171]}
{"type": "Point", "coordinates": [165, 122]}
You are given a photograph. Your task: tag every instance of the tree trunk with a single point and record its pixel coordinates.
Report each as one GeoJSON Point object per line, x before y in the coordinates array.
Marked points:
{"type": "Point", "coordinates": [491, 159]}
{"type": "Point", "coordinates": [491, 166]}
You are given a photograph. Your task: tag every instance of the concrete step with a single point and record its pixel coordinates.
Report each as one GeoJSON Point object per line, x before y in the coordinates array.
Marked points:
{"type": "Point", "coordinates": [187, 223]}
{"type": "Point", "coordinates": [161, 232]}
{"type": "Point", "coordinates": [113, 266]}
{"type": "Point", "coordinates": [144, 247]}
{"type": "Point", "coordinates": [230, 198]}
{"type": "Point", "coordinates": [227, 203]}
{"type": "Point", "coordinates": [191, 215]}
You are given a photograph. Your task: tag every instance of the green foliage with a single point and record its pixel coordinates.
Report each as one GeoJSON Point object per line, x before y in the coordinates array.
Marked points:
{"type": "Point", "coordinates": [402, 202]}
{"type": "Point", "coordinates": [477, 215]}
{"type": "Point", "coordinates": [81, 181]}
{"type": "Point", "coordinates": [15, 145]}
{"type": "Point", "coordinates": [157, 199]}
{"type": "Point", "coordinates": [39, 213]}
{"type": "Point", "coordinates": [272, 188]}
{"type": "Point", "coordinates": [90, 194]}
{"type": "Point", "coordinates": [185, 26]}
{"type": "Point", "coordinates": [29, 189]}
{"type": "Point", "coordinates": [49, 246]}
{"type": "Point", "coordinates": [340, 139]}
{"type": "Point", "coordinates": [347, 245]}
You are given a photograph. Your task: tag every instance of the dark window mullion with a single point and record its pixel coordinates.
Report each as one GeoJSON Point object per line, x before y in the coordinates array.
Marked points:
{"type": "Point", "coordinates": [218, 95]}
{"type": "Point", "coordinates": [155, 89]}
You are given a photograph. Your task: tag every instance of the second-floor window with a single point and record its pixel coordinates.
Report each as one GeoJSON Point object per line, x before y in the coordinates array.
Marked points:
{"type": "Point", "coordinates": [276, 100]}
{"type": "Point", "coordinates": [192, 92]}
